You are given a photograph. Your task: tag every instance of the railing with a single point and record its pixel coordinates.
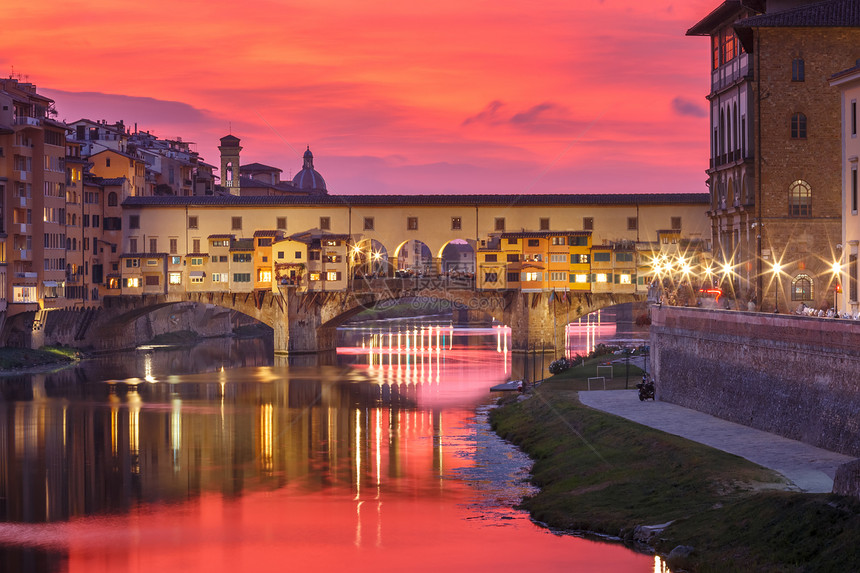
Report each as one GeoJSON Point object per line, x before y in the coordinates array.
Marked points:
{"type": "Point", "coordinates": [21, 228]}
{"type": "Point", "coordinates": [26, 120]}
{"type": "Point", "coordinates": [25, 254]}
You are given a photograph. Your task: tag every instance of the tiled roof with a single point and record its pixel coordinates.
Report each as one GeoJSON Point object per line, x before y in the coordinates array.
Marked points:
{"type": "Point", "coordinates": [221, 236]}
{"type": "Point", "coordinates": [423, 200]}
{"type": "Point", "coordinates": [544, 234]}
{"type": "Point", "coordinates": [257, 167]}
{"type": "Point", "coordinates": [113, 181]}
{"type": "Point", "coordinates": [830, 13]}
{"type": "Point", "coordinates": [266, 233]}
{"type": "Point", "coordinates": [143, 255]}
{"type": "Point", "coordinates": [196, 255]}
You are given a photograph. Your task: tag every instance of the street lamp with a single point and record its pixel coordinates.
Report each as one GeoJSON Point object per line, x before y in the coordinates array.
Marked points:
{"type": "Point", "coordinates": [776, 270]}
{"type": "Point", "coordinates": [837, 273]}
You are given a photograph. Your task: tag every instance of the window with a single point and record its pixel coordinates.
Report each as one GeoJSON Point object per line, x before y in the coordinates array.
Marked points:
{"type": "Point", "coordinates": [491, 258]}
{"type": "Point", "coordinates": [192, 222]}
{"type": "Point", "coordinates": [624, 279]}
{"type": "Point", "coordinates": [242, 277]}
{"type": "Point", "coordinates": [332, 276]}
{"type": "Point", "coordinates": [133, 221]}
{"type": "Point", "coordinates": [107, 161]}
{"type": "Point", "coordinates": [852, 278]}
{"type": "Point", "coordinates": [152, 280]}
{"type": "Point", "coordinates": [500, 224]}
{"type": "Point", "coordinates": [513, 258]}
{"type": "Point", "coordinates": [513, 277]}
{"type": "Point", "coordinates": [265, 276]}
{"type": "Point", "coordinates": [281, 223]}
{"type": "Point", "coordinates": [580, 259]}
{"type": "Point", "coordinates": [111, 199]}
{"type": "Point", "coordinates": [491, 277]}
{"type": "Point", "coordinates": [854, 118]}
{"type": "Point", "coordinates": [174, 278]}
{"type": "Point", "coordinates": [196, 261]}
{"type": "Point", "coordinates": [544, 223]}
{"type": "Point", "coordinates": [195, 243]}
{"type": "Point", "coordinates": [219, 277]}
{"type": "Point", "coordinates": [241, 258]}
{"type": "Point", "coordinates": [325, 223]}
{"type": "Point", "coordinates": [153, 245]}
{"type": "Point", "coordinates": [800, 200]}
{"type": "Point", "coordinates": [221, 243]}
{"type": "Point", "coordinates": [798, 126]}
{"type": "Point", "coordinates": [603, 257]}
{"type": "Point", "coordinates": [368, 223]}
{"type": "Point", "coordinates": [558, 258]}
{"type": "Point", "coordinates": [152, 262]}
{"type": "Point", "coordinates": [412, 223]}
{"type": "Point", "coordinates": [601, 278]}
{"type": "Point", "coordinates": [131, 282]}
{"type": "Point", "coordinates": [132, 245]}
{"type": "Point", "coordinates": [176, 260]}
{"type": "Point", "coordinates": [559, 241]}
{"type": "Point", "coordinates": [236, 223]}
{"type": "Point", "coordinates": [196, 280]}
{"type": "Point", "coordinates": [797, 70]}
{"type": "Point", "coordinates": [588, 223]}
{"type": "Point", "coordinates": [314, 277]}
{"type": "Point", "coordinates": [558, 276]}
{"type": "Point", "coordinates": [676, 223]}
{"type": "Point", "coordinates": [854, 190]}
{"type": "Point", "coordinates": [632, 223]}
{"type": "Point", "coordinates": [624, 257]}
{"type": "Point", "coordinates": [801, 288]}
{"type": "Point", "coordinates": [577, 241]}
{"type": "Point", "coordinates": [456, 223]}
{"type": "Point", "coordinates": [532, 276]}
{"type": "Point", "coordinates": [579, 278]}
{"type": "Point", "coordinates": [298, 255]}
{"type": "Point", "coordinates": [534, 242]}
{"type": "Point", "coordinates": [313, 255]}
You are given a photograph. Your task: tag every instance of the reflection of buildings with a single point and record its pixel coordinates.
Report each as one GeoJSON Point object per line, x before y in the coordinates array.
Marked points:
{"type": "Point", "coordinates": [103, 448]}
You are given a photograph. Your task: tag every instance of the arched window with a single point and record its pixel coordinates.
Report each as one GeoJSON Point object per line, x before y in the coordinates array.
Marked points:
{"type": "Point", "coordinates": [800, 199]}
{"type": "Point", "coordinates": [735, 128]}
{"type": "Point", "coordinates": [722, 132]}
{"type": "Point", "coordinates": [801, 288]}
{"type": "Point", "coordinates": [111, 199]}
{"type": "Point", "coordinates": [798, 126]}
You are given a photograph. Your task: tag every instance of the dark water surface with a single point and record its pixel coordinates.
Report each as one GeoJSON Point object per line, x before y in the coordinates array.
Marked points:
{"type": "Point", "coordinates": [221, 458]}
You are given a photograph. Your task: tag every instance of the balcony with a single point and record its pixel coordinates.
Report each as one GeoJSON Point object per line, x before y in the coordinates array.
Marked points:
{"type": "Point", "coordinates": [23, 175]}
{"type": "Point", "coordinates": [25, 254]}
{"type": "Point", "coordinates": [26, 275]}
{"type": "Point", "coordinates": [21, 229]}
{"type": "Point", "coordinates": [22, 202]}
{"type": "Point", "coordinates": [26, 120]}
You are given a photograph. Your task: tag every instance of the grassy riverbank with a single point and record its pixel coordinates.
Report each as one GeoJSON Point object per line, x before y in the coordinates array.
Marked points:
{"type": "Point", "coordinates": [21, 358]}
{"type": "Point", "coordinates": [604, 474]}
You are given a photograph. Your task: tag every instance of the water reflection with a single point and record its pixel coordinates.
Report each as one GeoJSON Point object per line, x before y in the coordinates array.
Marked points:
{"type": "Point", "coordinates": [155, 461]}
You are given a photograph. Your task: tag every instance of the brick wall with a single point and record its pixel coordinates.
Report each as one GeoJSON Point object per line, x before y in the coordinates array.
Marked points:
{"type": "Point", "coordinates": [789, 375]}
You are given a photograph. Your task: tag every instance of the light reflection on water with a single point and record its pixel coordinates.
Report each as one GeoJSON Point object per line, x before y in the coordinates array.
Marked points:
{"type": "Point", "coordinates": [179, 461]}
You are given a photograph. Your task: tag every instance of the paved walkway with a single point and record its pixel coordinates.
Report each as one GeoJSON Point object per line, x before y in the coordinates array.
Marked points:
{"type": "Point", "coordinates": [810, 469]}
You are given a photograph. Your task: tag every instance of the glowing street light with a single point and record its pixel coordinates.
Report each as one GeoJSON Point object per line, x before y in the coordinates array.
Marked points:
{"type": "Point", "coordinates": [776, 270]}
{"type": "Point", "coordinates": [837, 274]}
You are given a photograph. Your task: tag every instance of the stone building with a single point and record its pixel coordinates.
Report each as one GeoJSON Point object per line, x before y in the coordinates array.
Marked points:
{"type": "Point", "coordinates": [775, 172]}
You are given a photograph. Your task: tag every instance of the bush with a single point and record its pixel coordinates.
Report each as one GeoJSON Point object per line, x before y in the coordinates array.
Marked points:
{"type": "Point", "coordinates": [559, 366]}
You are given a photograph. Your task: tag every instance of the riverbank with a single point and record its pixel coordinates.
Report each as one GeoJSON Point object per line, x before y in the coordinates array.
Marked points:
{"type": "Point", "coordinates": [17, 359]}
{"type": "Point", "coordinates": [603, 474]}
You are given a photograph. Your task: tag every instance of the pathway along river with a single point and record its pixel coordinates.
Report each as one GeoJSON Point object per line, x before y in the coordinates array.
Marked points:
{"type": "Point", "coordinates": [212, 459]}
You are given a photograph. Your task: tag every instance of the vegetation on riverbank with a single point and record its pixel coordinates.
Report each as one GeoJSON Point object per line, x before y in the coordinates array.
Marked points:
{"type": "Point", "coordinates": [20, 358]}
{"type": "Point", "coordinates": [604, 474]}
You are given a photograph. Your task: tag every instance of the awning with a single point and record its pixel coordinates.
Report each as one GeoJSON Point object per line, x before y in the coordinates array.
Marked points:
{"type": "Point", "coordinates": [49, 283]}
{"type": "Point", "coordinates": [197, 274]}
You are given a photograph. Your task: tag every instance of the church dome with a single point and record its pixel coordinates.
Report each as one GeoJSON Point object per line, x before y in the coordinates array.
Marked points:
{"type": "Point", "coordinates": [308, 177]}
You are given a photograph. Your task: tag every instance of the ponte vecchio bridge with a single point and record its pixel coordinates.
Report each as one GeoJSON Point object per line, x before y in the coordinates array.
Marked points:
{"type": "Point", "coordinates": [225, 251]}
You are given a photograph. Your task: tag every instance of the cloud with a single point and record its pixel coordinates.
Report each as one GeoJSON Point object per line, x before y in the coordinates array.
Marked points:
{"type": "Point", "coordinates": [686, 107]}
{"type": "Point", "coordinates": [486, 116]}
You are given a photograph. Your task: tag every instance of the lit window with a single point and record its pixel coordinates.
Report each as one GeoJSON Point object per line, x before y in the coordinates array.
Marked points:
{"type": "Point", "coordinates": [582, 279]}
{"type": "Point", "coordinates": [133, 282]}
{"type": "Point", "coordinates": [624, 279]}
{"type": "Point", "coordinates": [800, 199]}
{"type": "Point", "coordinates": [601, 278]}
{"type": "Point", "coordinates": [174, 278]}
{"type": "Point", "coordinates": [265, 276]}
{"type": "Point", "coordinates": [331, 275]}
{"type": "Point", "coordinates": [315, 276]}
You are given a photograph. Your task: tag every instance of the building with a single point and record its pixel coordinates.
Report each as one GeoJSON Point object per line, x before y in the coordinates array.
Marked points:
{"type": "Point", "coordinates": [848, 83]}
{"type": "Point", "coordinates": [775, 170]}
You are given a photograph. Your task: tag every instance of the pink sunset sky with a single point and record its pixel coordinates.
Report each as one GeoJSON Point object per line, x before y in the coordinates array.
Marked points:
{"type": "Point", "coordinates": [466, 96]}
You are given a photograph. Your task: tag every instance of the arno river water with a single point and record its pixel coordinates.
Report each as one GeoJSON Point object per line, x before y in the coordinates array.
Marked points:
{"type": "Point", "coordinates": [221, 458]}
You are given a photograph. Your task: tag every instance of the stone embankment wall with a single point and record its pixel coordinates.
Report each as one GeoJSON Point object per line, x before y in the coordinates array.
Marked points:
{"type": "Point", "coordinates": [795, 376]}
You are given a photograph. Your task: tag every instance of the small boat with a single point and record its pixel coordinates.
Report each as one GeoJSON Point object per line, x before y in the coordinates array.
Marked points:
{"type": "Point", "coordinates": [509, 386]}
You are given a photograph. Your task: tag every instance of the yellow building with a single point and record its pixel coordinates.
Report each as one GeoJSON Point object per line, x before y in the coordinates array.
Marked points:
{"type": "Point", "coordinates": [290, 258]}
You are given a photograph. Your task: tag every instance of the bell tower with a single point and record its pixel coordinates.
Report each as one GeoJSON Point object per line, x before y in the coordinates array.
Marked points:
{"type": "Point", "coordinates": [230, 149]}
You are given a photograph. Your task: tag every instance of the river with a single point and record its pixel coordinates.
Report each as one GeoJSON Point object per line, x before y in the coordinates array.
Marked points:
{"type": "Point", "coordinates": [221, 458]}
